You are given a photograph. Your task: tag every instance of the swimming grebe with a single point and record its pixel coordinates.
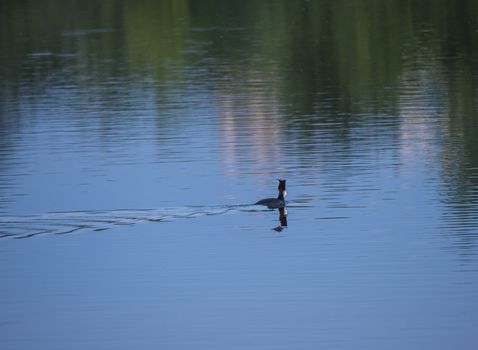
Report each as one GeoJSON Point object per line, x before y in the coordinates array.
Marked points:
{"type": "Point", "coordinates": [274, 203]}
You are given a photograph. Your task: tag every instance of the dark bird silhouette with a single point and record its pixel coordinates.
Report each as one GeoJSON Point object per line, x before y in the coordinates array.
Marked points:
{"type": "Point", "coordinates": [274, 203]}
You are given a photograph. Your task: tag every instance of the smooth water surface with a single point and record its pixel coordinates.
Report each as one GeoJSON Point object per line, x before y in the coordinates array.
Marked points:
{"type": "Point", "coordinates": [135, 135]}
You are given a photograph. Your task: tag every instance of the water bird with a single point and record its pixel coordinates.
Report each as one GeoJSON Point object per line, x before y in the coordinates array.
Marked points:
{"type": "Point", "coordinates": [275, 203]}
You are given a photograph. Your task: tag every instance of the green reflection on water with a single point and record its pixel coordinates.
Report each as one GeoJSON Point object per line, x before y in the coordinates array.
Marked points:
{"type": "Point", "coordinates": [323, 62]}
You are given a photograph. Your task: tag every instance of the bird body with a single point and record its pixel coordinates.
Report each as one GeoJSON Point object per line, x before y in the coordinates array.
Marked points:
{"type": "Point", "coordinates": [274, 203]}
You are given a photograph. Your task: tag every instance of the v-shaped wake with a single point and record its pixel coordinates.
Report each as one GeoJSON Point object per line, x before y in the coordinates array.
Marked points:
{"type": "Point", "coordinates": [24, 226]}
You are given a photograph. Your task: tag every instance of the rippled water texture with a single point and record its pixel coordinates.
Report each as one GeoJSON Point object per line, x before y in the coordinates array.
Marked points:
{"type": "Point", "coordinates": [136, 135]}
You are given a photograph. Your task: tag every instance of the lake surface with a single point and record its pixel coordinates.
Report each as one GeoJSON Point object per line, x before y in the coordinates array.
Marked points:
{"type": "Point", "coordinates": [135, 136]}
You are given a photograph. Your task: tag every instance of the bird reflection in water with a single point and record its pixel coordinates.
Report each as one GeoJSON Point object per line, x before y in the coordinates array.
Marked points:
{"type": "Point", "coordinates": [282, 219]}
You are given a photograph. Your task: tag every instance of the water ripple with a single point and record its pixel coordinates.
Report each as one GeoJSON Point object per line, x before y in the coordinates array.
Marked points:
{"type": "Point", "coordinates": [25, 226]}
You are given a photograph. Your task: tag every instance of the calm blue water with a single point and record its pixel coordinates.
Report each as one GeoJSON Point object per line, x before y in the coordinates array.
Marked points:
{"type": "Point", "coordinates": [134, 138]}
